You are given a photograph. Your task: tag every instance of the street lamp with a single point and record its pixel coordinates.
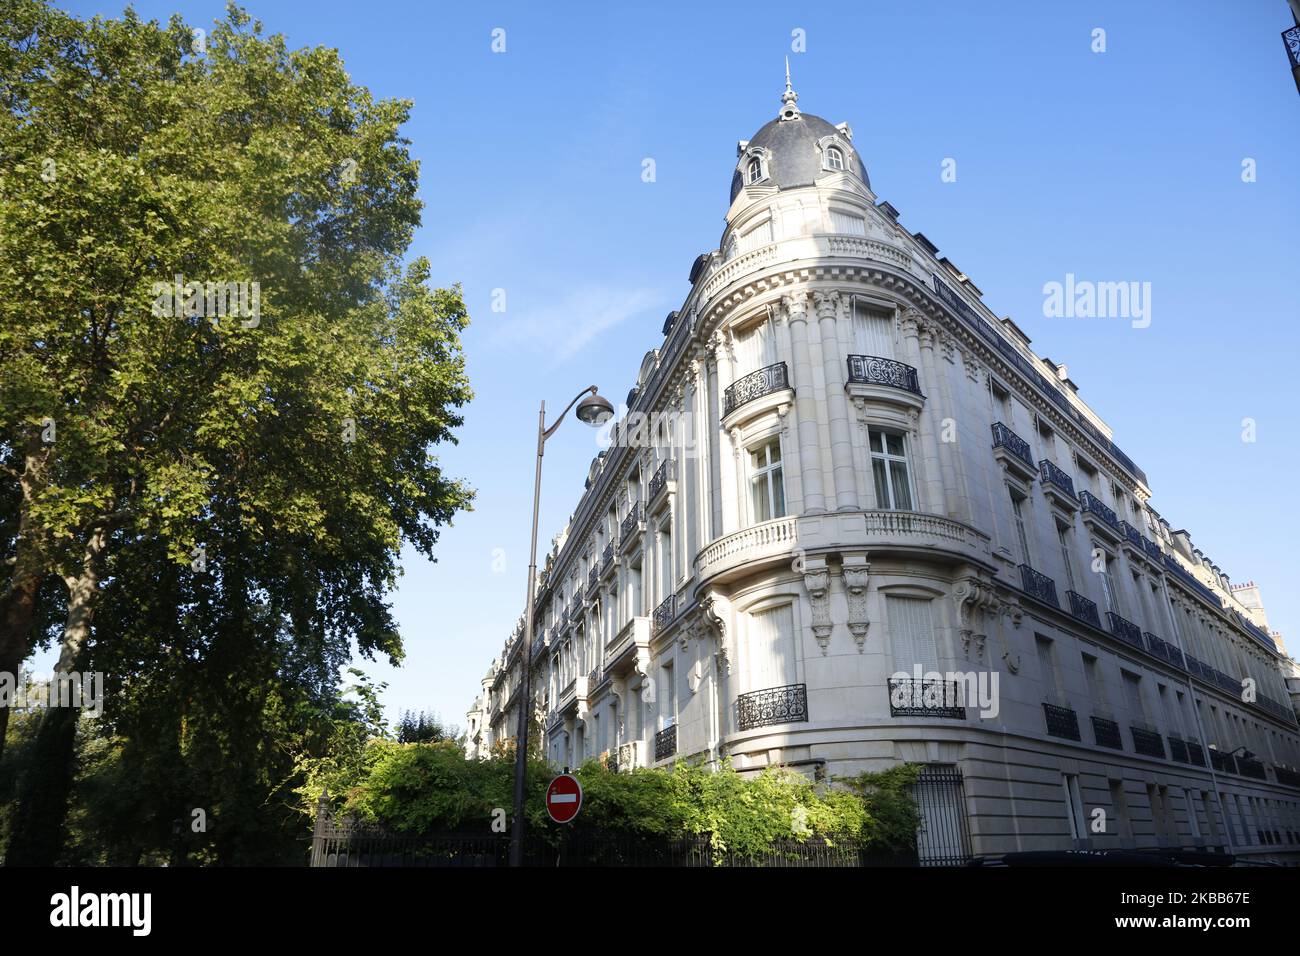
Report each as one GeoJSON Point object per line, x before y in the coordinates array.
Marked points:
{"type": "Point", "coordinates": [595, 411]}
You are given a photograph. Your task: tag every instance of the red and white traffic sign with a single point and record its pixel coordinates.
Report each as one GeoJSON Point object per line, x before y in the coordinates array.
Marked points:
{"type": "Point", "coordinates": [564, 798]}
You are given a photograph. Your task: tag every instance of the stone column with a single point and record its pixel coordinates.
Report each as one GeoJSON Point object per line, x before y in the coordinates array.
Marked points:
{"type": "Point", "coordinates": [810, 469]}
{"type": "Point", "coordinates": [727, 452]}
{"type": "Point", "coordinates": [934, 411]}
{"type": "Point", "coordinates": [829, 306]}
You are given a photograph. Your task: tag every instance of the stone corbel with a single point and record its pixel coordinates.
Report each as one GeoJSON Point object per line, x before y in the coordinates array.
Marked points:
{"type": "Point", "coordinates": [712, 610]}
{"type": "Point", "coordinates": [856, 572]}
{"type": "Point", "coordinates": [973, 598]}
{"type": "Point", "coordinates": [817, 579]}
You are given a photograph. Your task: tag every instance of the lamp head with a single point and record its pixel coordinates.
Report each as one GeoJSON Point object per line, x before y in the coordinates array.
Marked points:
{"type": "Point", "coordinates": [594, 410]}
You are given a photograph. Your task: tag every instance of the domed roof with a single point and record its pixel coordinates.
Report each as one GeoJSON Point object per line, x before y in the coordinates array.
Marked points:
{"type": "Point", "coordinates": [791, 145]}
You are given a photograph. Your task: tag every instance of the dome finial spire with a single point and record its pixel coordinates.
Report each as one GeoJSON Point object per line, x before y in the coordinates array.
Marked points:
{"type": "Point", "coordinates": [789, 99]}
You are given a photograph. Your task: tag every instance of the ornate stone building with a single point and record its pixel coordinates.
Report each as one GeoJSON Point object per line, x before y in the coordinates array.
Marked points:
{"type": "Point", "coordinates": [851, 519]}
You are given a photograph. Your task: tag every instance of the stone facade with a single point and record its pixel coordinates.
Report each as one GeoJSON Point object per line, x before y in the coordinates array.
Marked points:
{"type": "Point", "coordinates": [849, 519]}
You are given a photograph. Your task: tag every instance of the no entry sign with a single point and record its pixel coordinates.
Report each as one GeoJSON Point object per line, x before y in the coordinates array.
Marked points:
{"type": "Point", "coordinates": [564, 798]}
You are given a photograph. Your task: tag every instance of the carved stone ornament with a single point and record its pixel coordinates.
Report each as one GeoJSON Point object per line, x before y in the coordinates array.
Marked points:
{"type": "Point", "coordinates": [856, 575]}
{"type": "Point", "coordinates": [711, 613]}
{"type": "Point", "coordinates": [818, 581]}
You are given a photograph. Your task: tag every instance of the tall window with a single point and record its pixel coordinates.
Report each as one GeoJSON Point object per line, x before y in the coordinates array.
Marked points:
{"type": "Point", "coordinates": [889, 466]}
{"type": "Point", "coordinates": [911, 632]}
{"type": "Point", "coordinates": [1107, 583]}
{"type": "Point", "coordinates": [771, 648]}
{"type": "Point", "coordinates": [834, 158]}
{"type": "Point", "coordinates": [766, 481]}
{"type": "Point", "coordinates": [1063, 536]}
{"type": "Point", "coordinates": [1018, 512]}
{"type": "Point", "coordinates": [755, 172]}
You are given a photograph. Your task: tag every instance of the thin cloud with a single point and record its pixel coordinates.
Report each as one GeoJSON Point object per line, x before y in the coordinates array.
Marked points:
{"type": "Point", "coordinates": [566, 325]}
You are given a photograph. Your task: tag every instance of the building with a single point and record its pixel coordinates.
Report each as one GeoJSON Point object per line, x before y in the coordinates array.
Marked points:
{"type": "Point", "coordinates": [850, 519]}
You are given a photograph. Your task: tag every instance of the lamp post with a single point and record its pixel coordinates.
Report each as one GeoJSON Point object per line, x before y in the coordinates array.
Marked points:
{"type": "Point", "coordinates": [595, 411]}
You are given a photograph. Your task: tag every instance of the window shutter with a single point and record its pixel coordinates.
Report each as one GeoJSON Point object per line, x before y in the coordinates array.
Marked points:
{"type": "Point", "coordinates": [911, 633]}
{"type": "Point", "coordinates": [771, 648]}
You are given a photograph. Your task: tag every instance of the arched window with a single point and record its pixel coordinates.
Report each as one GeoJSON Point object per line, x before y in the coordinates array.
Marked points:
{"type": "Point", "coordinates": [755, 171]}
{"type": "Point", "coordinates": [834, 158]}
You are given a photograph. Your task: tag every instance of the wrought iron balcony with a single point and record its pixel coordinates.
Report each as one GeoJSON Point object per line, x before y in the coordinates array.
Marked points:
{"type": "Point", "coordinates": [1095, 506]}
{"type": "Point", "coordinates": [1083, 609]}
{"type": "Point", "coordinates": [1195, 754]}
{"type": "Point", "coordinates": [1288, 778]}
{"type": "Point", "coordinates": [1178, 750]}
{"type": "Point", "coordinates": [1106, 733]}
{"type": "Point", "coordinates": [1189, 580]}
{"type": "Point", "coordinates": [1156, 646]}
{"type": "Point", "coordinates": [593, 576]}
{"type": "Point", "coordinates": [874, 370]}
{"type": "Point", "coordinates": [909, 697]}
{"type": "Point", "coordinates": [1223, 763]}
{"type": "Point", "coordinates": [769, 379]}
{"type": "Point", "coordinates": [1147, 742]}
{"type": "Point", "coordinates": [1125, 629]}
{"type": "Point", "coordinates": [606, 558]}
{"type": "Point", "coordinates": [663, 614]}
{"type": "Point", "coordinates": [1291, 40]}
{"type": "Point", "coordinates": [575, 611]}
{"type": "Point", "coordinates": [666, 743]}
{"type": "Point", "coordinates": [1053, 475]}
{"type": "Point", "coordinates": [1134, 537]}
{"type": "Point", "coordinates": [1061, 721]}
{"type": "Point", "coordinates": [629, 525]}
{"type": "Point", "coordinates": [666, 472]}
{"type": "Point", "coordinates": [773, 705]}
{"type": "Point", "coordinates": [1153, 550]}
{"type": "Point", "coordinates": [1004, 437]}
{"type": "Point", "coordinates": [1038, 585]}
{"type": "Point", "coordinates": [1249, 767]}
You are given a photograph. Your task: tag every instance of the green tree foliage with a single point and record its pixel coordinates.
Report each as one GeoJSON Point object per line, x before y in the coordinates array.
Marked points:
{"type": "Point", "coordinates": [293, 448]}
{"type": "Point", "coordinates": [423, 728]}
{"type": "Point", "coordinates": [422, 788]}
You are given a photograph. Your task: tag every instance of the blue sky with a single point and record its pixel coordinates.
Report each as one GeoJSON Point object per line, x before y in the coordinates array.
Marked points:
{"type": "Point", "coordinates": [1123, 165]}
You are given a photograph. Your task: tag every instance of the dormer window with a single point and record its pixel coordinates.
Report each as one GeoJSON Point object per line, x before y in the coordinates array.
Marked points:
{"type": "Point", "coordinates": [754, 172]}
{"type": "Point", "coordinates": [834, 158]}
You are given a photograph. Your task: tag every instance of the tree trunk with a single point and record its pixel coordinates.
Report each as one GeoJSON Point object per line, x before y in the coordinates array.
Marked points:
{"type": "Point", "coordinates": [38, 829]}
{"type": "Point", "coordinates": [18, 601]}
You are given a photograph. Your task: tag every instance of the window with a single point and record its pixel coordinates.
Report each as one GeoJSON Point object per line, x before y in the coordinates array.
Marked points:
{"type": "Point", "coordinates": [834, 158]}
{"type": "Point", "coordinates": [755, 171]}
{"type": "Point", "coordinates": [1063, 536]}
{"type": "Point", "coordinates": [766, 484]}
{"type": "Point", "coordinates": [1018, 512]}
{"type": "Point", "coordinates": [668, 691]}
{"type": "Point", "coordinates": [771, 648]}
{"type": "Point", "coordinates": [873, 332]}
{"type": "Point", "coordinates": [889, 466]}
{"type": "Point", "coordinates": [1049, 673]}
{"type": "Point", "coordinates": [1107, 584]}
{"type": "Point", "coordinates": [1096, 685]}
{"type": "Point", "coordinates": [911, 632]}
{"type": "Point", "coordinates": [1074, 807]}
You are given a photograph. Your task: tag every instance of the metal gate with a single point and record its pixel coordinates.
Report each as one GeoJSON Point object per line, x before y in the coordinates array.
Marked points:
{"type": "Point", "coordinates": [943, 838]}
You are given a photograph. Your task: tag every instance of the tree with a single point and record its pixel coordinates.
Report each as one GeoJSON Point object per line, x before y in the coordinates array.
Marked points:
{"type": "Point", "coordinates": [284, 451]}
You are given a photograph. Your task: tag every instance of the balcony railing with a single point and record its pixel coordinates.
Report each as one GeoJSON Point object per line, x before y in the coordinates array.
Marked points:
{"type": "Point", "coordinates": [1094, 505]}
{"type": "Point", "coordinates": [1147, 742]}
{"type": "Point", "coordinates": [1291, 40]}
{"type": "Point", "coordinates": [666, 743]}
{"type": "Point", "coordinates": [1223, 763]}
{"type": "Point", "coordinates": [874, 370]}
{"type": "Point", "coordinates": [1053, 475]}
{"type": "Point", "coordinates": [593, 576]}
{"type": "Point", "coordinates": [1288, 778]}
{"type": "Point", "coordinates": [1153, 550]}
{"type": "Point", "coordinates": [575, 611]}
{"type": "Point", "coordinates": [1083, 609]}
{"type": "Point", "coordinates": [1178, 750]}
{"type": "Point", "coordinates": [1249, 767]}
{"type": "Point", "coordinates": [1125, 629]}
{"type": "Point", "coordinates": [910, 697]}
{"type": "Point", "coordinates": [1004, 437]}
{"type": "Point", "coordinates": [663, 614]}
{"type": "Point", "coordinates": [771, 378]}
{"type": "Point", "coordinates": [1106, 733]}
{"type": "Point", "coordinates": [1133, 536]}
{"type": "Point", "coordinates": [606, 557]}
{"type": "Point", "coordinates": [773, 705]}
{"type": "Point", "coordinates": [1038, 585]}
{"type": "Point", "coordinates": [1061, 721]}
{"type": "Point", "coordinates": [662, 476]}
{"type": "Point", "coordinates": [629, 525]}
